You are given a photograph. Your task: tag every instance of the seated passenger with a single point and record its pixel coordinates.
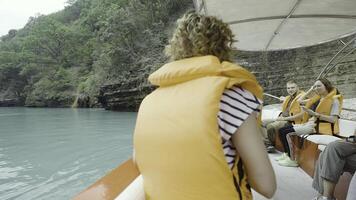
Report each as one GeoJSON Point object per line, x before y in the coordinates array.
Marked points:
{"type": "Point", "coordinates": [291, 114]}
{"type": "Point", "coordinates": [338, 157]}
{"type": "Point", "coordinates": [323, 108]}
{"type": "Point", "coordinates": [197, 136]}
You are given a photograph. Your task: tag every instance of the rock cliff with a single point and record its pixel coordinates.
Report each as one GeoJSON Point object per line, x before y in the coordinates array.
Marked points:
{"type": "Point", "coordinates": [272, 69]}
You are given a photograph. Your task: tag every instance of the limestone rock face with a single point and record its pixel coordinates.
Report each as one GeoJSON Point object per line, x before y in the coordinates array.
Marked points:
{"type": "Point", "coordinates": [10, 98]}
{"type": "Point", "coordinates": [272, 69]}
{"type": "Point", "coordinates": [126, 95]}
{"type": "Point", "coordinates": [303, 65]}
{"type": "Point", "coordinates": [83, 101]}
{"type": "Point", "coordinates": [10, 102]}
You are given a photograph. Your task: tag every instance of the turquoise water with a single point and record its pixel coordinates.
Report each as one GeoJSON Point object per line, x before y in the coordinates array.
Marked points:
{"type": "Point", "coordinates": [56, 153]}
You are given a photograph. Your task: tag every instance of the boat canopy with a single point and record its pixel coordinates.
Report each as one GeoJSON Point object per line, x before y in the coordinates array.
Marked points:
{"type": "Point", "coordinates": [261, 25]}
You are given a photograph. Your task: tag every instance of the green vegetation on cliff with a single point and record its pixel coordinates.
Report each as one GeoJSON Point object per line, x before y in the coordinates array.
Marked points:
{"type": "Point", "coordinates": [71, 53]}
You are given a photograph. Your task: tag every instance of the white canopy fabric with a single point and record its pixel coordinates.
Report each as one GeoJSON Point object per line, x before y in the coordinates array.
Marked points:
{"type": "Point", "coordinates": [264, 25]}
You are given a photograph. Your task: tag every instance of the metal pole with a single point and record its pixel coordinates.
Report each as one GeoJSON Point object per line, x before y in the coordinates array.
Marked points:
{"type": "Point", "coordinates": [281, 24]}
{"type": "Point", "coordinates": [349, 109]}
{"type": "Point", "coordinates": [333, 58]}
{"type": "Point", "coordinates": [342, 58]}
{"type": "Point", "coordinates": [270, 95]}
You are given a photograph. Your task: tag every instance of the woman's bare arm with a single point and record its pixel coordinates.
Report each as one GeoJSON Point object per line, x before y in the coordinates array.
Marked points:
{"type": "Point", "coordinates": [328, 118]}
{"type": "Point", "coordinates": [250, 147]}
{"type": "Point", "coordinates": [291, 118]}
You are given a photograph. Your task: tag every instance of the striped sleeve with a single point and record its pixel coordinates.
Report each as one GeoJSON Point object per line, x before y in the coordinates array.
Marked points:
{"type": "Point", "coordinates": [236, 105]}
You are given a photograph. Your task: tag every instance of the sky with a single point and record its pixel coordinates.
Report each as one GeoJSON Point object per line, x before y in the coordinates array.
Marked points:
{"type": "Point", "coordinates": [15, 13]}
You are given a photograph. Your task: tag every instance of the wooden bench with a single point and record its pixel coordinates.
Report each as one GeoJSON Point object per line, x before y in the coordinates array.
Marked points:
{"type": "Point", "coordinates": [307, 153]}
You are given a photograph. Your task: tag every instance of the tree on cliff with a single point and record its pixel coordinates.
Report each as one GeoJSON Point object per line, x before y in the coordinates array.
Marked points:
{"type": "Point", "coordinates": [89, 43]}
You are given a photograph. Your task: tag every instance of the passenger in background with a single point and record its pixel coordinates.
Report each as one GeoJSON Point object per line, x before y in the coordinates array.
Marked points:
{"type": "Point", "coordinates": [323, 106]}
{"type": "Point", "coordinates": [196, 135]}
{"type": "Point", "coordinates": [337, 157]}
{"type": "Point", "coordinates": [291, 114]}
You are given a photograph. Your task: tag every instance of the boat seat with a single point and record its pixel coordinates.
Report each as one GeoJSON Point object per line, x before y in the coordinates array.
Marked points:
{"type": "Point", "coordinates": [346, 127]}
{"type": "Point", "coordinates": [321, 147]}
{"type": "Point", "coordinates": [270, 115]}
{"type": "Point", "coordinates": [322, 139]}
{"type": "Point", "coordinates": [308, 147]}
{"type": "Point", "coordinates": [308, 153]}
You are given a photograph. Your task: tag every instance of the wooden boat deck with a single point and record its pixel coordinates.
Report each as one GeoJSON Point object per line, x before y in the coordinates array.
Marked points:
{"type": "Point", "coordinates": [292, 183]}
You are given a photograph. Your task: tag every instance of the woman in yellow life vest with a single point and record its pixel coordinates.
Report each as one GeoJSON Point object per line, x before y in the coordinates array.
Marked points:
{"type": "Point", "coordinates": [322, 107]}
{"type": "Point", "coordinates": [196, 135]}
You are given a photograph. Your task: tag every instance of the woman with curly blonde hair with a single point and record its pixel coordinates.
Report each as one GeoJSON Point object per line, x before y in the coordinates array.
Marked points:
{"type": "Point", "coordinates": [198, 35]}
{"type": "Point", "coordinates": [196, 135]}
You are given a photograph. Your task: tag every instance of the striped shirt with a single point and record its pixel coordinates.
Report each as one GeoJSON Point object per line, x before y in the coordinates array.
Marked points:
{"type": "Point", "coordinates": [236, 105]}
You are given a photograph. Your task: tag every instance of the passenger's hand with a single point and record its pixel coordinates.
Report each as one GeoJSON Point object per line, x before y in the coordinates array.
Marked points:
{"type": "Point", "coordinates": [302, 102]}
{"type": "Point", "coordinates": [280, 119]}
{"type": "Point", "coordinates": [282, 98]}
{"type": "Point", "coordinates": [310, 112]}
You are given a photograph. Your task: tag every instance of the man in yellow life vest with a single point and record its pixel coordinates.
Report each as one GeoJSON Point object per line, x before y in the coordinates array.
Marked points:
{"type": "Point", "coordinates": [291, 114]}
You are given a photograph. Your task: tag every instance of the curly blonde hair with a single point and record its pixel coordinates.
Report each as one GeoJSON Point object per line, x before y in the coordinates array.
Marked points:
{"type": "Point", "coordinates": [199, 35]}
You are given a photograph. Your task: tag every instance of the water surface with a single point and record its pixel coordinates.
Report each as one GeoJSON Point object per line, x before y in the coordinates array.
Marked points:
{"type": "Point", "coordinates": [55, 153]}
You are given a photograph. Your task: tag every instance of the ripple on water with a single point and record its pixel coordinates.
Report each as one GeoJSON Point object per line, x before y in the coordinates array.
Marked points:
{"type": "Point", "coordinates": [9, 172]}
{"type": "Point", "coordinates": [56, 153]}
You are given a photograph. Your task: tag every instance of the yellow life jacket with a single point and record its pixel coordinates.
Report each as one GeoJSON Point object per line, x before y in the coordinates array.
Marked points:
{"type": "Point", "coordinates": [294, 107]}
{"type": "Point", "coordinates": [324, 107]}
{"type": "Point", "coordinates": [177, 143]}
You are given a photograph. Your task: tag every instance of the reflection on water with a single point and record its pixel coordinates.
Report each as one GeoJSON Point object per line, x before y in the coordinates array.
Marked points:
{"type": "Point", "coordinates": [55, 153]}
